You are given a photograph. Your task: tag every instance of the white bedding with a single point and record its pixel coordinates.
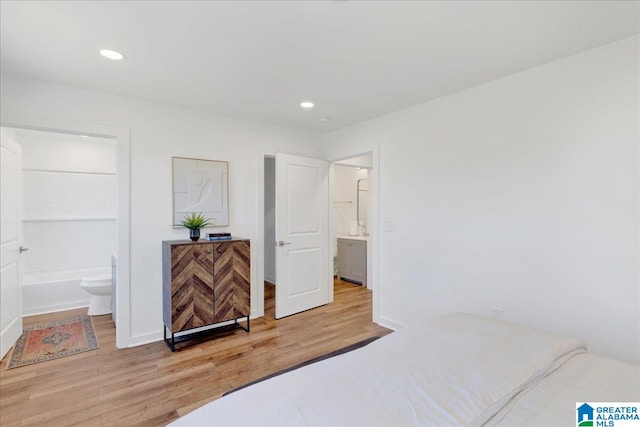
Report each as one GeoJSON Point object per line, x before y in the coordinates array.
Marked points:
{"type": "Point", "coordinates": [584, 378]}
{"type": "Point", "coordinates": [456, 369]}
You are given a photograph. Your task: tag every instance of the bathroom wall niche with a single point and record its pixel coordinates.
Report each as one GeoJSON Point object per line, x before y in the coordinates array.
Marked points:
{"type": "Point", "coordinates": [201, 186]}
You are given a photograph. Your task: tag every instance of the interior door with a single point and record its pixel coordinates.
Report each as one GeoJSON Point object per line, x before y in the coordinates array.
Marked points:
{"type": "Point", "coordinates": [10, 235]}
{"type": "Point", "coordinates": [302, 226]}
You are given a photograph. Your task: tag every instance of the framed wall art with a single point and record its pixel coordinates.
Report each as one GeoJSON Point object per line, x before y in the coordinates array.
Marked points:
{"type": "Point", "coordinates": [201, 186]}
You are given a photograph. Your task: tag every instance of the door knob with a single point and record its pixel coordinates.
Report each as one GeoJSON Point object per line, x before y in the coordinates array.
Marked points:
{"type": "Point", "coordinates": [23, 249]}
{"type": "Point", "coordinates": [282, 243]}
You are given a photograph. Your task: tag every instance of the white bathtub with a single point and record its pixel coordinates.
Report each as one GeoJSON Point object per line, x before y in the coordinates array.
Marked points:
{"type": "Point", "coordinates": [46, 292]}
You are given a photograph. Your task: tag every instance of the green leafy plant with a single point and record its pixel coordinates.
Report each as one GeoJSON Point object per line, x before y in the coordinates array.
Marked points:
{"type": "Point", "coordinates": [195, 221]}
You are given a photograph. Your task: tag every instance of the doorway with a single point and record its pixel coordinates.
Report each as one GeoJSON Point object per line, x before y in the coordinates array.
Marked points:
{"type": "Point", "coordinates": [69, 192]}
{"type": "Point", "coordinates": [351, 228]}
{"type": "Point", "coordinates": [354, 220]}
{"type": "Point", "coordinates": [119, 138]}
{"type": "Point", "coordinates": [369, 225]}
{"type": "Point", "coordinates": [270, 220]}
{"type": "Point", "coordinates": [269, 236]}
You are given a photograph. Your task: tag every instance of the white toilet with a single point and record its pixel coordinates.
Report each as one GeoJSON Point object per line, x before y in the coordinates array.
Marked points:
{"type": "Point", "coordinates": [99, 287]}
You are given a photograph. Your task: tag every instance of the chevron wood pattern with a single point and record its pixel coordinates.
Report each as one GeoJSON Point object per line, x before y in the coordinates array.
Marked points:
{"type": "Point", "coordinates": [231, 280]}
{"type": "Point", "coordinates": [191, 286]}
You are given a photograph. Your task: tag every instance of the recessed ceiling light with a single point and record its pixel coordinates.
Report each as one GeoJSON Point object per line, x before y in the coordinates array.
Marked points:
{"type": "Point", "coordinates": [325, 119]}
{"type": "Point", "coordinates": [111, 54]}
{"type": "Point", "coordinates": [84, 136]}
{"type": "Point", "coordinates": [306, 104]}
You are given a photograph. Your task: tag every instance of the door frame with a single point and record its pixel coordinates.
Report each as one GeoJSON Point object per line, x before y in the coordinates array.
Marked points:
{"type": "Point", "coordinates": [373, 260]}
{"type": "Point", "coordinates": [123, 168]}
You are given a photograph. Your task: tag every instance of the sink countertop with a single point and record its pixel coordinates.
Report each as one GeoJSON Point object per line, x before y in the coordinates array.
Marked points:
{"type": "Point", "coordinates": [346, 236]}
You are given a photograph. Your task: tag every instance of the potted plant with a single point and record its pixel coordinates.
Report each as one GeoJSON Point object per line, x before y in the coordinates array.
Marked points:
{"type": "Point", "coordinates": [194, 222]}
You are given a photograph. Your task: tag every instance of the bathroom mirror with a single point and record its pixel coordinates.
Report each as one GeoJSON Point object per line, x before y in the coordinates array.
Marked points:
{"type": "Point", "coordinates": [201, 186]}
{"type": "Point", "coordinates": [362, 202]}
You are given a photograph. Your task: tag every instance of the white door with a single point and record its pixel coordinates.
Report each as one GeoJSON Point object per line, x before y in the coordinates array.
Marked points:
{"type": "Point", "coordinates": [302, 225]}
{"type": "Point", "coordinates": [10, 235]}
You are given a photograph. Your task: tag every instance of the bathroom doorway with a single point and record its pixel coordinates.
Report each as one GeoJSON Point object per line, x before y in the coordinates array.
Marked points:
{"type": "Point", "coordinates": [69, 193]}
{"type": "Point", "coordinates": [352, 229]}
{"type": "Point", "coordinates": [109, 139]}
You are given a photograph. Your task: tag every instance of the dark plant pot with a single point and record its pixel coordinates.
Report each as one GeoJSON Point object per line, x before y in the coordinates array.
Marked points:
{"type": "Point", "coordinates": [194, 235]}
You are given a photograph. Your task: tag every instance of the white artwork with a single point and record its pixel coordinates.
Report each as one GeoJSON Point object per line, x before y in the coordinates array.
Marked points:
{"type": "Point", "coordinates": [201, 186]}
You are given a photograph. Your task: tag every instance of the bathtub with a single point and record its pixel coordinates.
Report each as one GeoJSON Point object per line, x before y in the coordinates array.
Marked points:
{"type": "Point", "coordinates": [46, 292]}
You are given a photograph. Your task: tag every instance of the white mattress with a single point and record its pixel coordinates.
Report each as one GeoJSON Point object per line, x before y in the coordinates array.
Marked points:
{"type": "Point", "coordinates": [584, 378]}
{"type": "Point", "coordinates": [456, 369]}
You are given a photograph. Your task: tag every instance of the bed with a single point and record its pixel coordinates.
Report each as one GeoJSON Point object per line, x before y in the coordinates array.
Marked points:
{"type": "Point", "coordinates": [453, 370]}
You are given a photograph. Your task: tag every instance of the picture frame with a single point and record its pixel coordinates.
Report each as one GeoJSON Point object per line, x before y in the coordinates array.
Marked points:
{"type": "Point", "coordinates": [200, 186]}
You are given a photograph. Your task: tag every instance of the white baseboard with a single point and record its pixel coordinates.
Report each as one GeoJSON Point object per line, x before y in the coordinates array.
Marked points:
{"type": "Point", "coordinates": [390, 323]}
{"type": "Point", "coordinates": [143, 339]}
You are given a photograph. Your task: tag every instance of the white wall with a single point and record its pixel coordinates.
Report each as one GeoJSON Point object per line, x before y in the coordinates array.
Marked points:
{"type": "Point", "coordinates": [521, 193]}
{"type": "Point", "coordinates": [270, 219]}
{"type": "Point", "coordinates": [159, 132]}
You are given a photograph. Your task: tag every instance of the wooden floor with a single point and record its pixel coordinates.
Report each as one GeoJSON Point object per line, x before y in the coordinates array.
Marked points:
{"type": "Point", "coordinates": [148, 385]}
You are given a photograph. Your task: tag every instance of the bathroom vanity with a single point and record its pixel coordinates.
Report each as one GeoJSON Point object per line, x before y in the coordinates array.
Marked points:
{"type": "Point", "coordinates": [352, 259]}
{"type": "Point", "coordinates": [205, 284]}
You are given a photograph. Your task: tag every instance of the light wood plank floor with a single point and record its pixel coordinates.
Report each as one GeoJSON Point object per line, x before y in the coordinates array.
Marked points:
{"type": "Point", "coordinates": [148, 385]}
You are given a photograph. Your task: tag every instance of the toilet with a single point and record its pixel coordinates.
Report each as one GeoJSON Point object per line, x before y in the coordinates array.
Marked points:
{"type": "Point", "coordinates": [99, 287]}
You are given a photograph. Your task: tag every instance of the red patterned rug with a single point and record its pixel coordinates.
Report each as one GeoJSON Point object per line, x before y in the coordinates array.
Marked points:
{"type": "Point", "coordinates": [53, 340]}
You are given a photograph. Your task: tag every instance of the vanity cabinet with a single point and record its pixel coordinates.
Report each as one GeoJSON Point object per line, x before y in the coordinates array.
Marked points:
{"type": "Point", "coordinates": [352, 260]}
{"type": "Point", "coordinates": [204, 283]}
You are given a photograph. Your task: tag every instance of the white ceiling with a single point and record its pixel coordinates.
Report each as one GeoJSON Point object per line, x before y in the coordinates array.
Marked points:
{"type": "Point", "coordinates": [257, 60]}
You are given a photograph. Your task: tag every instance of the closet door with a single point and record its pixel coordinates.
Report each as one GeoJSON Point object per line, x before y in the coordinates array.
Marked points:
{"type": "Point", "coordinates": [191, 286]}
{"type": "Point", "coordinates": [231, 280]}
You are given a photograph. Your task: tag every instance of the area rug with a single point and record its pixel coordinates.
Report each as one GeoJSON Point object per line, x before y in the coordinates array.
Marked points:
{"type": "Point", "coordinates": [53, 340]}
